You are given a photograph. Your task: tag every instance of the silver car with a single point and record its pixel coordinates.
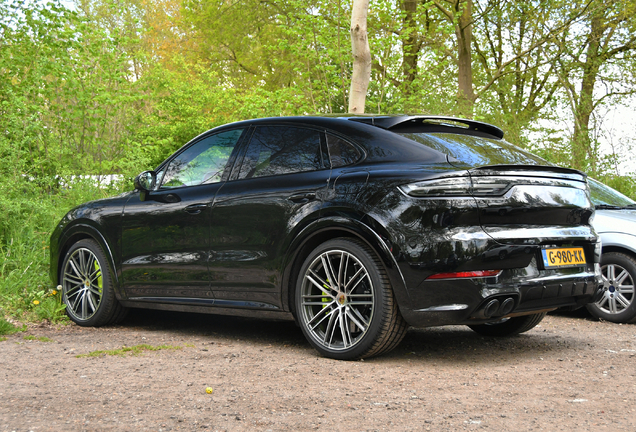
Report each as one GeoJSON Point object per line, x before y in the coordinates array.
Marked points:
{"type": "Point", "coordinates": [615, 222]}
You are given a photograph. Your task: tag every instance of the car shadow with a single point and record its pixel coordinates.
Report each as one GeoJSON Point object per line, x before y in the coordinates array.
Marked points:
{"type": "Point", "coordinates": [429, 345]}
{"type": "Point", "coordinates": [255, 330]}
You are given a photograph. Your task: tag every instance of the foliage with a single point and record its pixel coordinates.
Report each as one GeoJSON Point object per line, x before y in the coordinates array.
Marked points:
{"type": "Point", "coordinates": [38, 338]}
{"type": "Point", "coordinates": [114, 87]}
{"type": "Point", "coordinates": [133, 350]}
{"type": "Point", "coordinates": [7, 328]}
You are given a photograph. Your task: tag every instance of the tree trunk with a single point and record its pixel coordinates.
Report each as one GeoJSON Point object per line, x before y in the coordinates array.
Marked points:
{"type": "Point", "coordinates": [581, 141]}
{"type": "Point", "coordinates": [464, 32]}
{"type": "Point", "coordinates": [410, 51]}
{"type": "Point", "coordinates": [460, 15]}
{"type": "Point", "coordinates": [361, 56]}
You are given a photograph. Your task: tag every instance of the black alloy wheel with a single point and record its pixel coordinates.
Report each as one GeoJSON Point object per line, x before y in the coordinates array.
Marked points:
{"type": "Point", "coordinates": [345, 303]}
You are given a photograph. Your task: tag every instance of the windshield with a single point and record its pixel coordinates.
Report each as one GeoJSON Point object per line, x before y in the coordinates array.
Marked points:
{"type": "Point", "coordinates": [603, 195]}
{"type": "Point", "coordinates": [476, 151]}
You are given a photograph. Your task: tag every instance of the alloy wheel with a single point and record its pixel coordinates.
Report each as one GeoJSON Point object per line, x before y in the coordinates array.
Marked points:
{"type": "Point", "coordinates": [82, 284]}
{"type": "Point", "coordinates": [618, 289]}
{"type": "Point", "coordinates": [337, 300]}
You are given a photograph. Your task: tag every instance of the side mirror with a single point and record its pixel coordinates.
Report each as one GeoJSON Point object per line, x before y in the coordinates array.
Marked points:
{"type": "Point", "coordinates": [145, 182]}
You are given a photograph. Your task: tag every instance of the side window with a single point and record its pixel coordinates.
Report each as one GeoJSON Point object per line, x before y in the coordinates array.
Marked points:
{"type": "Point", "coordinates": [341, 152]}
{"type": "Point", "coordinates": [203, 162]}
{"type": "Point", "coordinates": [275, 150]}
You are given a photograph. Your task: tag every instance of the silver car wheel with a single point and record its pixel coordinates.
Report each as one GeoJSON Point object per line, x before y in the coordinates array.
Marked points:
{"type": "Point", "coordinates": [337, 300]}
{"type": "Point", "coordinates": [82, 284]}
{"type": "Point", "coordinates": [618, 289]}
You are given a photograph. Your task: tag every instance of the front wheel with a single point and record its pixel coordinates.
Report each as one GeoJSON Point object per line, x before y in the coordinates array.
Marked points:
{"type": "Point", "coordinates": [617, 304]}
{"type": "Point", "coordinates": [345, 304]}
{"type": "Point", "coordinates": [509, 326]}
{"type": "Point", "coordinates": [87, 289]}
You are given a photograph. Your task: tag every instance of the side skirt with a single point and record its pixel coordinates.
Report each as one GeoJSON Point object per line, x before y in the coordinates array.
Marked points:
{"type": "Point", "coordinates": [208, 306]}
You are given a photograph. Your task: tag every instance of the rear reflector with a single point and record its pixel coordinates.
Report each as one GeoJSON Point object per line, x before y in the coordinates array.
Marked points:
{"type": "Point", "coordinates": [466, 274]}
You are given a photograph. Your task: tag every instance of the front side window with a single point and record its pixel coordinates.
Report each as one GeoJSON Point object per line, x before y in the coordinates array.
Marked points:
{"type": "Point", "coordinates": [202, 162]}
{"type": "Point", "coordinates": [276, 150]}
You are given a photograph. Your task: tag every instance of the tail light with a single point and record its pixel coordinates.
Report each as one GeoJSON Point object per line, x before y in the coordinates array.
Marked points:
{"type": "Point", "coordinates": [484, 186]}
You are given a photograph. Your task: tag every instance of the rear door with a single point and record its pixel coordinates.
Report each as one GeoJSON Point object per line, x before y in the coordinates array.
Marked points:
{"type": "Point", "coordinates": [277, 190]}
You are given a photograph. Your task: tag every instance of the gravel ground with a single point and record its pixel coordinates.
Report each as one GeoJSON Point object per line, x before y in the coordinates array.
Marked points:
{"type": "Point", "coordinates": [569, 373]}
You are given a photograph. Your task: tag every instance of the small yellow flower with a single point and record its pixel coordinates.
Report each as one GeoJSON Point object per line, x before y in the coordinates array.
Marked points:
{"type": "Point", "coordinates": [53, 292]}
{"type": "Point", "coordinates": [36, 302]}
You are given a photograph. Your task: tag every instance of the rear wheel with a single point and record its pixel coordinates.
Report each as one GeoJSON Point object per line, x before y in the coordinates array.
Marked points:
{"type": "Point", "coordinates": [87, 290]}
{"type": "Point", "coordinates": [345, 303]}
{"type": "Point", "coordinates": [617, 304]}
{"type": "Point", "coordinates": [509, 326]}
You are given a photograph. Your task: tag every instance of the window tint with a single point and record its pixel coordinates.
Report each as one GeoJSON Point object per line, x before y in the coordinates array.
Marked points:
{"type": "Point", "coordinates": [341, 152]}
{"type": "Point", "coordinates": [476, 151]}
{"type": "Point", "coordinates": [275, 150]}
{"type": "Point", "coordinates": [203, 162]}
{"type": "Point", "coordinates": [603, 194]}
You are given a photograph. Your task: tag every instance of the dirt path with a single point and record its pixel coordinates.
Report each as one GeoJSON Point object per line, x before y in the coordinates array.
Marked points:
{"type": "Point", "coordinates": [568, 374]}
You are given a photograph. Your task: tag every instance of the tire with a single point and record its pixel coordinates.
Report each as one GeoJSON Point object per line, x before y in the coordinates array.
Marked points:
{"type": "Point", "coordinates": [87, 289]}
{"type": "Point", "coordinates": [618, 303]}
{"type": "Point", "coordinates": [509, 327]}
{"type": "Point", "coordinates": [345, 304]}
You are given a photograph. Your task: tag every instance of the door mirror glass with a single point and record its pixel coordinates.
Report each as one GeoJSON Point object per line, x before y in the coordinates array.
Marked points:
{"type": "Point", "coordinates": [146, 181]}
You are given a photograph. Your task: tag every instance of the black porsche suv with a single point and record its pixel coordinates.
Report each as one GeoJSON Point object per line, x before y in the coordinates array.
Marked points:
{"type": "Point", "coordinates": [354, 226]}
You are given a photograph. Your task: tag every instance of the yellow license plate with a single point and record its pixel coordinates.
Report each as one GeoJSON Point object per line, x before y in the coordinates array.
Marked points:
{"type": "Point", "coordinates": [563, 257]}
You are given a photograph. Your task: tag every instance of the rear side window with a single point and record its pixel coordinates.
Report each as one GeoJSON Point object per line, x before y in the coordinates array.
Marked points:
{"type": "Point", "coordinates": [341, 152]}
{"type": "Point", "coordinates": [475, 150]}
{"type": "Point", "coordinates": [276, 150]}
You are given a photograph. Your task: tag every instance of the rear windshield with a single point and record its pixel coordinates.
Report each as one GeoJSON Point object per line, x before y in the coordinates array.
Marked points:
{"type": "Point", "coordinates": [474, 150]}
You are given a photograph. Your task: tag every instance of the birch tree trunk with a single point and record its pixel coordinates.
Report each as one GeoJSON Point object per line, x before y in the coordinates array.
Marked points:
{"type": "Point", "coordinates": [361, 56]}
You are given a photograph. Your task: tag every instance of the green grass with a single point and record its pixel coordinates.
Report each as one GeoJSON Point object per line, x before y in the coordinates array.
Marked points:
{"type": "Point", "coordinates": [29, 216]}
{"type": "Point", "coordinates": [134, 350]}
{"type": "Point", "coordinates": [7, 328]}
{"type": "Point", "coordinates": [38, 338]}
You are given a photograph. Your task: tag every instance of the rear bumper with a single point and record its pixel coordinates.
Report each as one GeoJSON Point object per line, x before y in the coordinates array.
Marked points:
{"type": "Point", "coordinates": [513, 292]}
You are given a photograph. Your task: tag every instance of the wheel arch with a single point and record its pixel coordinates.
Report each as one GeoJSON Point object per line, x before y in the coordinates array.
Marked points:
{"type": "Point", "coordinates": [82, 231]}
{"type": "Point", "coordinates": [619, 242]}
{"type": "Point", "coordinates": [329, 228]}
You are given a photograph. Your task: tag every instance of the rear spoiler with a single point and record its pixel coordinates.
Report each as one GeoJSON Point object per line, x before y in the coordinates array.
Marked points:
{"type": "Point", "coordinates": [439, 123]}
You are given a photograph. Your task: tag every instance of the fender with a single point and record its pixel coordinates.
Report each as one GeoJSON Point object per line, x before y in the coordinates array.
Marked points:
{"type": "Point", "coordinates": [330, 227]}
{"type": "Point", "coordinates": [616, 240]}
{"type": "Point", "coordinates": [82, 230]}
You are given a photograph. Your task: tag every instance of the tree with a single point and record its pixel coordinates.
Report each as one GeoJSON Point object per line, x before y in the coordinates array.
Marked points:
{"type": "Point", "coordinates": [361, 74]}
{"type": "Point", "coordinates": [598, 66]}
{"type": "Point", "coordinates": [459, 13]}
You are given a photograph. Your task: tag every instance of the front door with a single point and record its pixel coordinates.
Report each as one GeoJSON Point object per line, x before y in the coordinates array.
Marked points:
{"type": "Point", "coordinates": [166, 238]}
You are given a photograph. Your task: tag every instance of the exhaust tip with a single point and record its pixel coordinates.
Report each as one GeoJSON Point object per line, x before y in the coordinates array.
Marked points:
{"type": "Point", "coordinates": [491, 308]}
{"type": "Point", "coordinates": [506, 306]}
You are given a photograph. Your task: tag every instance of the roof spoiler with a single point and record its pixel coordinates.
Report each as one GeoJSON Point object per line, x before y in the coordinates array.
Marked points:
{"type": "Point", "coordinates": [390, 122]}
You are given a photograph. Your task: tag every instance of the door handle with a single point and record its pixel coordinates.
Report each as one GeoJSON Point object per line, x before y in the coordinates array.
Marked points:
{"type": "Point", "coordinates": [302, 198]}
{"type": "Point", "coordinates": [195, 208]}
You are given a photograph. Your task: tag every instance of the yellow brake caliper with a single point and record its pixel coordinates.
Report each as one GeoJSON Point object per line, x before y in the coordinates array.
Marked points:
{"type": "Point", "coordinates": [100, 283]}
{"type": "Point", "coordinates": [325, 299]}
